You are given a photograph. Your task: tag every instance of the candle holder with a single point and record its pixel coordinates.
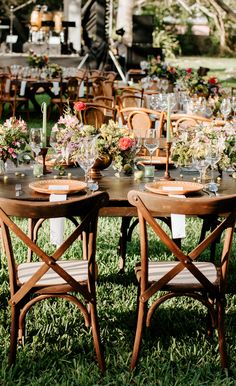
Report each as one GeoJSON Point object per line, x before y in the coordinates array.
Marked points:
{"type": "Point", "coordinates": [167, 175]}
{"type": "Point", "coordinates": [43, 153]}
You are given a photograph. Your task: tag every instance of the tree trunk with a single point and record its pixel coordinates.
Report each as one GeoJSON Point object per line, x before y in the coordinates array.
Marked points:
{"type": "Point", "coordinates": [124, 19]}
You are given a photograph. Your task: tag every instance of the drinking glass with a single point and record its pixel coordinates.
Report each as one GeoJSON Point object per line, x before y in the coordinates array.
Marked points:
{"type": "Point", "coordinates": [201, 164]}
{"type": "Point", "coordinates": [87, 154]}
{"type": "Point", "coordinates": [35, 139]}
{"type": "Point", "coordinates": [213, 156]}
{"type": "Point", "coordinates": [151, 142]}
{"type": "Point", "coordinates": [53, 140]}
{"type": "Point", "coordinates": [225, 107]}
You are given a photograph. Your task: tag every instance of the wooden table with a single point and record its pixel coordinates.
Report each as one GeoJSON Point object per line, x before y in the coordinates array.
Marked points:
{"type": "Point", "coordinates": [117, 188]}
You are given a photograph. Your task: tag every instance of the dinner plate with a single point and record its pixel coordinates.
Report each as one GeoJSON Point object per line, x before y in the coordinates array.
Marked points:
{"type": "Point", "coordinates": [173, 187]}
{"type": "Point", "coordinates": [57, 186]}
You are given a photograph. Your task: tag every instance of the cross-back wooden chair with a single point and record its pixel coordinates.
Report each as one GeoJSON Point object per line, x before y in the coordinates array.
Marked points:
{"type": "Point", "coordinates": [10, 95]}
{"type": "Point", "coordinates": [203, 280]}
{"type": "Point", "coordinates": [52, 276]}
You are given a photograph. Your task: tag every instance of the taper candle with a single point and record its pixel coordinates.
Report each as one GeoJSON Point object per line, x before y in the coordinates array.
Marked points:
{"type": "Point", "coordinates": [168, 131]}
{"type": "Point", "coordinates": [44, 111]}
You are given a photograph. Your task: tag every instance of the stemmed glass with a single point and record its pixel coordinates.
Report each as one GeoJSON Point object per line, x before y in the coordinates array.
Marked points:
{"type": "Point", "coordinates": [201, 164]}
{"type": "Point", "coordinates": [151, 142]}
{"type": "Point", "coordinates": [35, 139]}
{"type": "Point", "coordinates": [87, 154]}
{"type": "Point", "coordinates": [213, 156]}
{"type": "Point", "coordinates": [225, 107]}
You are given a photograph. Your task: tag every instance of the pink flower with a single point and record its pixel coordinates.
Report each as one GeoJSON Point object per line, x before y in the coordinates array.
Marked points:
{"type": "Point", "coordinates": [125, 143]}
{"type": "Point", "coordinates": [79, 106]}
{"type": "Point", "coordinates": [10, 150]}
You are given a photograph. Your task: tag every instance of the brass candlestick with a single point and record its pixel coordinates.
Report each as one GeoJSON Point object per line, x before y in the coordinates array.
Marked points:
{"type": "Point", "coordinates": [167, 175]}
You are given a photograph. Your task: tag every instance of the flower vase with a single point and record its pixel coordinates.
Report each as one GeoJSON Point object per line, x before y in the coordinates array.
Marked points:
{"type": "Point", "coordinates": [101, 163]}
{"type": "Point", "coordinates": [2, 167]}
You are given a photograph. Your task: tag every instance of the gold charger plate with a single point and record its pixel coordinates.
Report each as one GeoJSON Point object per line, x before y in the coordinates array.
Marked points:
{"type": "Point", "coordinates": [53, 186]}
{"type": "Point", "coordinates": [173, 187]}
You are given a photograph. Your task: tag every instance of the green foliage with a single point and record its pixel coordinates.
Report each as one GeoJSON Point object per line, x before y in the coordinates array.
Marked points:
{"type": "Point", "coordinates": [168, 42]}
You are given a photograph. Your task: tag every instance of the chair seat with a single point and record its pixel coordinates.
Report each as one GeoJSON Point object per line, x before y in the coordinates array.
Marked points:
{"type": "Point", "coordinates": [78, 269]}
{"type": "Point", "coordinates": [156, 270]}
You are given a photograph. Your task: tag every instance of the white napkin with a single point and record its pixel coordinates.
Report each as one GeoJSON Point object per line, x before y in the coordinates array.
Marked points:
{"type": "Point", "coordinates": [7, 85]}
{"type": "Point", "coordinates": [55, 88]}
{"type": "Point", "coordinates": [178, 226]}
{"type": "Point", "coordinates": [22, 87]}
{"type": "Point", "coordinates": [81, 90]}
{"type": "Point", "coordinates": [57, 224]}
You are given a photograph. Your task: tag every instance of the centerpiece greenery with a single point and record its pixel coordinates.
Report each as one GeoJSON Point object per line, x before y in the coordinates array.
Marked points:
{"type": "Point", "coordinates": [112, 140]}
{"type": "Point", "coordinates": [42, 61]}
{"type": "Point", "coordinates": [156, 68]}
{"type": "Point", "coordinates": [194, 142]}
{"type": "Point", "coordinates": [13, 139]}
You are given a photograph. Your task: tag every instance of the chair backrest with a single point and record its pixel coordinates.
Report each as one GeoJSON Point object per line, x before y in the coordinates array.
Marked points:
{"type": "Point", "coordinates": [93, 115]}
{"type": "Point", "coordinates": [151, 205]}
{"type": "Point", "coordinates": [129, 101]}
{"type": "Point", "coordinates": [85, 207]}
{"type": "Point", "coordinates": [182, 121]}
{"type": "Point", "coordinates": [108, 112]}
{"type": "Point", "coordinates": [104, 100]}
{"type": "Point", "coordinates": [72, 89]}
{"type": "Point", "coordinates": [139, 122]}
{"type": "Point", "coordinates": [109, 75]}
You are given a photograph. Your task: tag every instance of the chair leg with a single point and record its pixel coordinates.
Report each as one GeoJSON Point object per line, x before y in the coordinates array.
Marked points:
{"type": "Point", "coordinates": [96, 337]}
{"type": "Point", "coordinates": [221, 333]}
{"type": "Point", "coordinates": [13, 334]}
{"type": "Point", "coordinates": [138, 335]}
{"type": "Point", "coordinates": [125, 223]}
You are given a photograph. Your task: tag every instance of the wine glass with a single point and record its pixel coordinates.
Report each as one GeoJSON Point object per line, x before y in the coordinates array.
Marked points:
{"type": "Point", "coordinates": [151, 142]}
{"type": "Point", "coordinates": [53, 140]}
{"type": "Point", "coordinates": [201, 164]}
{"type": "Point", "coordinates": [225, 107]}
{"type": "Point", "coordinates": [213, 156]}
{"type": "Point", "coordinates": [87, 154]}
{"type": "Point", "coordinates": [35, 140]}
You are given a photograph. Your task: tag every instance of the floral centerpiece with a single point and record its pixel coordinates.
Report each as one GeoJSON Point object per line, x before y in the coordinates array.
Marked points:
{"type": "Point", "coordinates": [162, 70]}
{"type": "Point", "coordinates": [13, 140]}
{"type": "Point", "coordinates": [195, 143]}
{"type": "Point", "coordinates": [199, 85]}
{"type": "Point", "coordinates": [35, 60]}
{"type": "Point", "coordinates": [112, 140]}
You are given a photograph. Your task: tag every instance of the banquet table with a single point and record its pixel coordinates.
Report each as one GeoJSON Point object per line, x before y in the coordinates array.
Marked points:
{"type": "Point", "coordinates": [15, 185]}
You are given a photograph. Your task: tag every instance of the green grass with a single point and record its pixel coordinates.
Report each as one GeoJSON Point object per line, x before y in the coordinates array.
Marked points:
{"type": "Point", "coordinates": [59, 350]}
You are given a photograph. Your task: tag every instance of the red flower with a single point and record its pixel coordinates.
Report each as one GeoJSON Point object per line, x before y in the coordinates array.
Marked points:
{"type": "Point", "coordinates": [79, 106]}
{"type": "Point", "coordinates": [189, 70]}
{"type": "Point", "coordinates": [213, 80]}
{"type": "Point", "coordinates": [125, 143]}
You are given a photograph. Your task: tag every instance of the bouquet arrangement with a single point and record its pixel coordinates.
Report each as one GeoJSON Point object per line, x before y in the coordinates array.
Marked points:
{"type": "Point", "coordinates": [112, 140]}
{"type": "Point", "coordinates": [39, 61]}
{"type": "Point", "coordinates": [195, 142]}
{"type": "Point", "coordinates": [13, 139]}
{"type": "Point", "coordinates": [162, 70]}
{"type": "Point", "coordinates": [198, 85]}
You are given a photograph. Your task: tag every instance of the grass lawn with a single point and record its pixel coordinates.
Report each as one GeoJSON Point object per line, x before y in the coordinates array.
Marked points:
{"type": "Point", "coordinates": [223, 68]}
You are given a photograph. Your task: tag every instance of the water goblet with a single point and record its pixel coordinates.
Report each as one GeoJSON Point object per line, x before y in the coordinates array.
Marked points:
{"type": "Point", "coordinates": [225, 107]}
{"type": "Point", "coordinates": [35, 140]}
{"type": "Point", "coordinates": [201, 164]}
{"type": "Point", "coordinates": [213, 156]}
{"type": "Point", "coordinates": [151, 142]}
{"type": "Point", "coordinates": [87, 154]}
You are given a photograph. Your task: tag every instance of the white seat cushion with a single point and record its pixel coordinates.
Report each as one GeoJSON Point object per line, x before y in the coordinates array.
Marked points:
{"type": "Point", "coordinates": [78, 269]}
{"type": "Point", "coordinates": [156, 270]}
